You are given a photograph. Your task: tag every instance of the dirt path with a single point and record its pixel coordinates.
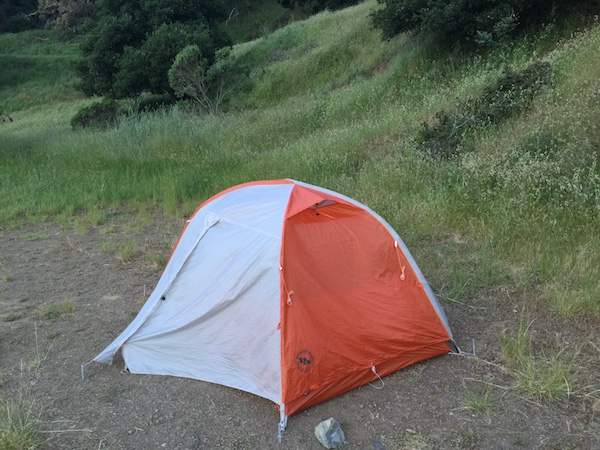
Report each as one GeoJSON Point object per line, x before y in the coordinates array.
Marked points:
{"type": "Point", "coordinates": [420, 407]}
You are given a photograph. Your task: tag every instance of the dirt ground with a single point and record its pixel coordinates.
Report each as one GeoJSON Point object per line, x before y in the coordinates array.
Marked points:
{"type": "Point", "coordinates": [420, 407]}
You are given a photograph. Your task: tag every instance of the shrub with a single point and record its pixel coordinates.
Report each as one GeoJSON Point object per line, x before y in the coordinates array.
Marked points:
{"type": "Point", "coordinates": [131, 45]}
{"type": "Point", "coordinates": [509, 95]}
{"type": "Point", "coordinates": [473, 23]}
{"type": "Point", "coordinates": [99, 115]}
{"type": "Point", "coordinates": [152, 102]}
{"type": "Point", "coordinates": [16, 24]}
{"type": "Point", "coordinates": [192, 76]}
{"type": "Point", "coordinates": [314, 6]}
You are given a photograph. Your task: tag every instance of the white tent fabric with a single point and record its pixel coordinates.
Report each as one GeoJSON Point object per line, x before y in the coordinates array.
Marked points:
{"type": "Point", "coordinates": [243, 264]}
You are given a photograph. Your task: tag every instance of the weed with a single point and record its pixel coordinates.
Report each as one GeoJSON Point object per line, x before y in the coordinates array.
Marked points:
{"type": "Point", "coordinates": [55, 310]}
{"type": "Point", "coordinates": [107, 247]}
{"type": "Point", "coordinates": [36, 236]}
{"type": "Point", "coordinates": [12, 317]}
{"type": "Point", "coordinates": [107, 229]}
{"type": "Point", "coordinates": [480, 402]}
{"type": "Point", "coordinates": [39, 356]}
{"type": "Point", "coordinates": [412, 439]}
{"type": "Point", "coordinates": [19, 423]}
{"type": "Point", "coordinates": [127, 251]}
{"type": "Point", "coordinates": [519, 441]}
{"type": "Point", "coordinates": [544, 375]}
{"type": "Point", "coordinates": [80, 227]}
{"type": "Point", "coordinates": [7, 277]}
{"type": "Point", "coordinates": [157, 259]}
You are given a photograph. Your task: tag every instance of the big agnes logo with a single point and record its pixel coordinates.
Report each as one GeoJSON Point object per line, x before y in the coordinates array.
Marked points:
{"type": "Point", "coordinates": [304, 361]}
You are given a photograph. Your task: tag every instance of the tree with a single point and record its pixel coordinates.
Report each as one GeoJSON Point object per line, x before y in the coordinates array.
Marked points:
{"type": "Point", "coordinates": [13, 15]}
{"type": "Point", "coordinates": [314, 6]}
{"type": "Point", "coordinates": [132, 43]}
{"type": "Point", "coordinates": [470, 22]}
{"type": "Point", "coordinates": [192, 76]}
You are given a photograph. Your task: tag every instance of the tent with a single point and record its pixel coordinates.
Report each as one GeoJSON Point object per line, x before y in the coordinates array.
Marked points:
{"type": "Point", "coordinates": [289, 291]}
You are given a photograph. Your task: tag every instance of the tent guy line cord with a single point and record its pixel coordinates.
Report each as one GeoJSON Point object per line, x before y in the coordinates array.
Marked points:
{"type": "Point", "coordinates": [382, 383]}
{"type": "Point", "coordinates": [477, 358]}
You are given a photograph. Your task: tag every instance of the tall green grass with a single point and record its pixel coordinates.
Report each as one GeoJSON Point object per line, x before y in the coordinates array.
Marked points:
{"type": "Point", "coordinates": [36, 69]}
{"type": "Point", "coordinates": [332, 104]}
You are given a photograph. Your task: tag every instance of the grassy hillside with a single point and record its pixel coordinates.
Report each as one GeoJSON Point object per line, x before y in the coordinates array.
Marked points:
{"type": "Point", "coordinates": [332, 105]}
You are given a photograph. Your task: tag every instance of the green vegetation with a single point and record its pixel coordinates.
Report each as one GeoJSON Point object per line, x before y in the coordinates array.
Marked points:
{"type": "Point", "coordinates": [479, 23]}
{"type": "Point", "coordinates": [480, 402]}
{"type": "Point", "coordinates": [127, 251]}
{"type": "Point", "coordinates": [546, 374]}
{"type": "Point", "coordinates": [53, 311]}
{"type": "Point", "coordinates": [157, 259]}
{"type": "Point", "coordinates": [130, 45]}
{"type": "Point", "coordinates": [12, 317]}
{"type": "Point", "coordinates": [19, 423]}
{"type": "Point", "coordinates": [37, 71]}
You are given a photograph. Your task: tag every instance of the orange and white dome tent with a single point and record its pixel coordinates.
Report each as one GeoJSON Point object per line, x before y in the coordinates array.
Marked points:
{"type": "Point", "coordinates": [289, 291]}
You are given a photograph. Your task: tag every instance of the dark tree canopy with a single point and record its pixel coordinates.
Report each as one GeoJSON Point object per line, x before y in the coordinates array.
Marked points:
{"type": "Point", "coordinates": [472, 22]}
{"type": "Point", "coordinates": [14, 11]}
{"type": "Point", "coordinates": [314, 6]}
{"type": "Point", "coordinates": [133, 43]}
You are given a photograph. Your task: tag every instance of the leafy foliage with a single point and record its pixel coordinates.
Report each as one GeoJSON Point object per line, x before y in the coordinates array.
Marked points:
{"type": "Point", "coordinates": [479, 23]}
{"type": "Point", "coordinates": [130, 47]}
{"type": "Point", "coordinates": [314, 6]}
{"type": "Point", "coordinates": [64, 13]}
{"type": "Point", "coordinates": [13, 15]}
{"type": "Point", "coordinates": [509, 95]}
{"type": "Point", "coordinates": [188, 76]}
{"type": "Point", "coordinates": [99, 115]}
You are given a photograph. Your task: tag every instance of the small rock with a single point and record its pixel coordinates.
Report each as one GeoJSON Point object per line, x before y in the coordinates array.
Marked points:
{"type": "Point", "coordinates": [330, 433]}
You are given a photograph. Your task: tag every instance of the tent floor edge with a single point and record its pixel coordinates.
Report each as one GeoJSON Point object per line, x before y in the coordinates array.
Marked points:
{"type": "Point", "coordinates": [365, 376]}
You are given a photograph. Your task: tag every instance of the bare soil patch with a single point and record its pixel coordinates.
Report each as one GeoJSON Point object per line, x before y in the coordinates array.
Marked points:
{"type": "Point", "coordinates": [420, 407]}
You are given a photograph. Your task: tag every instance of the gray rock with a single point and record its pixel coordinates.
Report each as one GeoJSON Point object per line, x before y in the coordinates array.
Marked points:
{"type": "Point", "coordinates": [330, 433]}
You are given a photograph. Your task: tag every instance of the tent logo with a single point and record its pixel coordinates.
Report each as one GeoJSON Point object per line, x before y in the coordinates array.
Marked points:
{"type": "Point", "coordinates": [304, 361]}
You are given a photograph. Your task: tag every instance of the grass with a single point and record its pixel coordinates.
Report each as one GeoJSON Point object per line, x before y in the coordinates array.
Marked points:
{"type": "Point", "coordinates": [127, 251]}
{"type": "Point", "coordinates": [19, 423]}
{"type": "Point", "coordinates": [36, 69]}
{"type": "Point", "coordinates": [52, 311]}
{"type": "Point", "coordinates": [480, 402]}
{"type": "Point", "coordinates": [11, 317]}
{"type": "Point", "coordinates": [546, 374]}
{"type": "Point", "coordinates": [157, 259]}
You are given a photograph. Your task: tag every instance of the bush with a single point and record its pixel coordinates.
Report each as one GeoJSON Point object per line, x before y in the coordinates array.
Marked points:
{"type": "Point", "coordinates": [473, 23]}
{"type": "Point", "coordinates": [191, 75]}
{"type": "Point", "coordinates": [99, 115]}
{"type": "Point", "coordinates": [152, 102]}
{"type": "Point", "coordinates": [16, 24]}
{"type": "Point", "coordinates": [314, 6]}
{"type": "Point", "coordinates": [131, 45]}
{"type": "Point", "coordinates": [508, 96]}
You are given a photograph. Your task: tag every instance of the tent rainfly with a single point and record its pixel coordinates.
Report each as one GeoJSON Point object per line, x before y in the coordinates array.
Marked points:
{"type": "Point", "coordinates": [289, 291]}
